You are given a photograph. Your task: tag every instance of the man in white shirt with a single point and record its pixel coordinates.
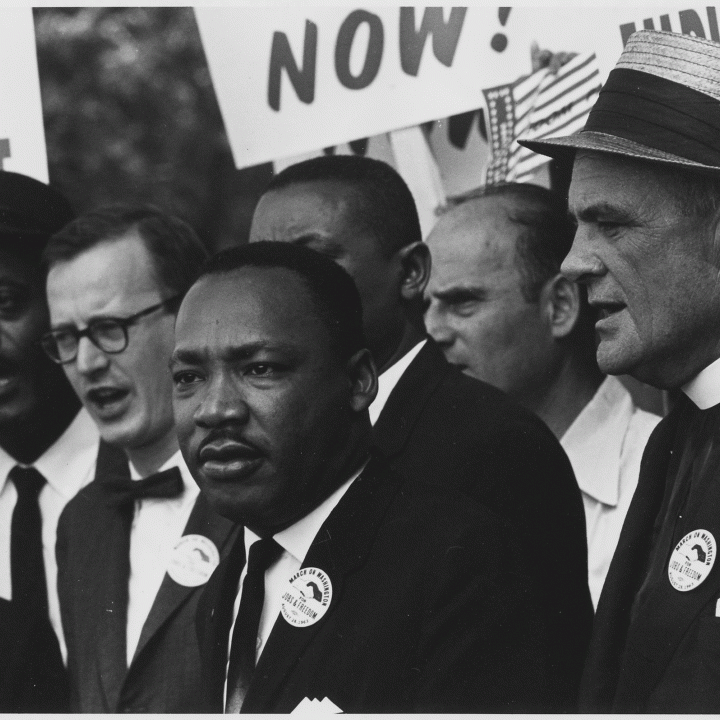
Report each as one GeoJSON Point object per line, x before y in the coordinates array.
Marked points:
{"type": "Point", "coordinates": [362, 590]}
{"type": "Point", "coordinates": [499, 308]}
{"type": "Point", "coordinates": [133, 550]}
{"type": "Point", "coordinates": [645, 193]}
{"type": "Point", "coordinates": [434, 423]}
{"type": "Point", "coordinates": [47, 453]}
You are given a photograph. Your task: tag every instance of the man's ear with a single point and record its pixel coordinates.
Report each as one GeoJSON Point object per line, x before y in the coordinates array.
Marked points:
{"type": "Point", "coordinates": [363, 377]}
{"type": "Point", "coordinates": [560, 299]}
{"type": "Point", "coordinates": [415, 262]}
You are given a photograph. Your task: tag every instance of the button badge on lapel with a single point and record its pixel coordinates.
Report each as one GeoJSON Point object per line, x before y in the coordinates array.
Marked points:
{"type": "Point", "coordinates": [692, 560]}
{"type": "Point", "coordinates": [307, 597]}
{"type": "Point", "coordinates": [193, 560]}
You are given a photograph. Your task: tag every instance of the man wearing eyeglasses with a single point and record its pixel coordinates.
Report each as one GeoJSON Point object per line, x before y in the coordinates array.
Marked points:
{"type": "Point", "coordinates": [133, 552]}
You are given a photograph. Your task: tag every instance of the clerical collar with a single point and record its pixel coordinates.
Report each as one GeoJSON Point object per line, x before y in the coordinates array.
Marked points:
{"type": "Point", "coordinates": [704, 388]}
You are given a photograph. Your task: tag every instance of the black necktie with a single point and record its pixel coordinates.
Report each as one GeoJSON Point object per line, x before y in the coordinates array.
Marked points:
{"type": "Point", "coordinates": [27, 566]}
{"type": "Point", "coordinates": [244, 640]}
{"type": "Point", "coordinates": [165, 484]}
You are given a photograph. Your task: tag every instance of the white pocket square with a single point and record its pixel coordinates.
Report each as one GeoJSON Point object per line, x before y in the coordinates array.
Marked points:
{"type": "Point", "coordinates": [317, 706]}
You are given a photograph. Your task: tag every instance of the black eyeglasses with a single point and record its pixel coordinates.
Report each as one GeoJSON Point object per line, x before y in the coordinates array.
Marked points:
{"type": "Point", "coordinates": [109, 334]}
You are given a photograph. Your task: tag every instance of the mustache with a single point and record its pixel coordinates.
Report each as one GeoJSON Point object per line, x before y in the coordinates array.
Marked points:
{"type": "Point", "coordinates": [229, 433]}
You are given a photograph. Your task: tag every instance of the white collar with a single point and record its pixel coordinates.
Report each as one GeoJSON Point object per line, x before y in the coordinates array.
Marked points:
{"type": "Point", "coordinates": [390, 378]}
{"type": "Point", "coordinates": [64, 464]}
{"type": "Point", "coordinates": [298, 538]}
{"type": "Point", "coordinates": [178, 461]}
{"type": "Point", "coordinates": [600, 426]}
{"type": "Point", "coordinates": [704, 388]}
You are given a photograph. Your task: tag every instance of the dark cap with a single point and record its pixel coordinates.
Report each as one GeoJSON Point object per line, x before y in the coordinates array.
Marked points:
{"type": "Point", "coordinates": [30, 211]}
{"type": "Point", "coordinates": [661, 102]}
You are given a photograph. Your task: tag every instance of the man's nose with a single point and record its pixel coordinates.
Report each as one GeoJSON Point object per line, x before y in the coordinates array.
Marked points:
{"type": "Point", "coordinates": [90, 358]}
{"type": "Point", "coordinates": [436, 324]}
{"type": "Point", "coordinates": [223, 402]}
{"type": "Point", "coordinates": [582, 263]}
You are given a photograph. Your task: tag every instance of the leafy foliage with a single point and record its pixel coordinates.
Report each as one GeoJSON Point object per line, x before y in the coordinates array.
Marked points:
{"type": "Point", "coordinates": [131, 115]}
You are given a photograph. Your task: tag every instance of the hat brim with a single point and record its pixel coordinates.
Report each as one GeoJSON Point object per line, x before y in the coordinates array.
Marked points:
{"type": "Point", "coordinates": [564, 149]}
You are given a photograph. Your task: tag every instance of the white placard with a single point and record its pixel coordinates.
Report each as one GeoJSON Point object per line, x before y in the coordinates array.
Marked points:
{"type": "Point", "coordinates": [291, 80]}
{"type": "Point", "coordinates": [22, 134]}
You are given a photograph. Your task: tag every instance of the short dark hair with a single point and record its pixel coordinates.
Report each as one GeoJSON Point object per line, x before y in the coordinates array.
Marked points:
{"type": "Point", "coordinates": [175, 248]}
{"type": "Point", "coordinates": [386, 207]}
{"type": "Point", "coordinates": [547, 231]}
{"type": "Point", "coordinates": [331, 288]}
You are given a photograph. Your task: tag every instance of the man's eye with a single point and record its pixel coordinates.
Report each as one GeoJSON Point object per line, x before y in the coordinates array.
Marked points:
{"type": "Point", "coordinates": [262, 369]}
{"type": "Point", "coordinates": [11, 302]}
{"type": "Point", "coordinates": [183, 378]}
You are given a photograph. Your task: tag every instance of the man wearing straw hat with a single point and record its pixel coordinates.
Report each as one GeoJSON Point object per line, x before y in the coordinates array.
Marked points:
{"type": "Point", "coordinates": [645, 193]}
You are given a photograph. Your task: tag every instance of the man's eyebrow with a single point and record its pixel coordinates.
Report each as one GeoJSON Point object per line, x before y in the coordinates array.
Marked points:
{"type": "Point", "coordinates": [592, 212]}
{"type": "Point", "coordinates": [461, 293]}
{"type": "Point", "coordinates": [194, 356]}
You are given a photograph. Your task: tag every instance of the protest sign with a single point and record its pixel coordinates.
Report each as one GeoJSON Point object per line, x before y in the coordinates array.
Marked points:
{"type": "Point", "coordinates": [22, 135]}
{"type": "Point", "coordinates": [295, 79]}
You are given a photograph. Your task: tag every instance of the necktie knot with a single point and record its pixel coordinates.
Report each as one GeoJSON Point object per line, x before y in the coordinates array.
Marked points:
{"type": "Point", "coordinates": [122, 490]}
{"type": "Point", "coordinates": [28, 482]}
{"type": "Point", "coordinates": [262, 554]}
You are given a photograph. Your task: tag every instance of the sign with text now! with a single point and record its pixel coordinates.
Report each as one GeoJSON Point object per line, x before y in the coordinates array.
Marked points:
{"type": "Point", "coordinates": [291, 80]}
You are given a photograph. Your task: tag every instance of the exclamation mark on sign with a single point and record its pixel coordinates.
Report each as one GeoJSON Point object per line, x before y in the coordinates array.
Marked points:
{"type": "Point", "coordinates": [499, 41]}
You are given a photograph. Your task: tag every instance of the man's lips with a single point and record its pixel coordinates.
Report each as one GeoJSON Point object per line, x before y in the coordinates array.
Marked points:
{"type": "Point", "coordinates": [607, 308]}
{"type": "Point", "coordinates": [107, 399]}
{"type": "Point", "coordinates": [228, 459]}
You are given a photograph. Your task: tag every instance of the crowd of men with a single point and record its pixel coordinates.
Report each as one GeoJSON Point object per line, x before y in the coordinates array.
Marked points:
{"type": "Point", "coordinates": [339, 468]}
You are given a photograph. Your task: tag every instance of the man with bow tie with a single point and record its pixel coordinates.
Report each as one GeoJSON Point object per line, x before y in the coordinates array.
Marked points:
{"type": "Point", "coordinates": [133, 551]}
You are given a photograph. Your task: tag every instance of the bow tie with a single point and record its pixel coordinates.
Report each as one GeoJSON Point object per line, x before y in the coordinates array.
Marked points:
{"type": "Point", "coordinates": [165, 484]}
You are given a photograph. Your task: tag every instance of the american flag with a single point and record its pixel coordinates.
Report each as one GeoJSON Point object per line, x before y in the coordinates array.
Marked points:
{"type": "Point", "coordinates": [540, 105]}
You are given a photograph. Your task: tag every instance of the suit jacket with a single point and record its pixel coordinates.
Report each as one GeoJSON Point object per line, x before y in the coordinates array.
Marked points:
{"type": "Point", "coordinates": [668, 659]}
{"type": "Point", "coordinates": [440, 426]}
{"type": "Point", "coordinates": [164, 673]}
{"type": "Point", "coordinates": [431, 611]}
{"type": "Point", "coordinates": [33, 677]}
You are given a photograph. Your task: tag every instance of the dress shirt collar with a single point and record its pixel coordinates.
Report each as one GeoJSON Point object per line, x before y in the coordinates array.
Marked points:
{"type": "Point", "coordinates": [704, 388]}
{"type": "Point", "coordinates": [606, 416]}
{"type": "Point", "coordinates": [178, 461]}
{"type": "Point", "coordinates": [64, 464]}
{"type": "Point", "coordinates": [390, 378]}
{"type": "Point", "coordinates": [298, 538]}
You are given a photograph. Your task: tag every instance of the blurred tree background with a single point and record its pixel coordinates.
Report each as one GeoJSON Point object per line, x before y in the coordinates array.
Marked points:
{"type": "Point", "coordinates": [131, 115]}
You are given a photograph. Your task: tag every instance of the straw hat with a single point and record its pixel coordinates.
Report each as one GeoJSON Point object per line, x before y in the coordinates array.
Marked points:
{"type": "Point", "coordinates": [661, 102]}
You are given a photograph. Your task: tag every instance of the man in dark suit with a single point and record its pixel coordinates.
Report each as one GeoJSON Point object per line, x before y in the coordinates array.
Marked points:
{"type": "Point", "coordinates": [134, 549]}
{"type": "Point", "coordinates": [48, 448]}
{"type": "Point", "coordinates": [434, 423]}
{"type": "Point", "coordinates": [361, 591]}
{"type": "Point", "coordinates": [645, 192]}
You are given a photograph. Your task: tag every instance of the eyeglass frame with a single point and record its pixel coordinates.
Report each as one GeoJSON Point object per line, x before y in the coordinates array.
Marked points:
{"type": "Point", "coordinates": [123, 324]}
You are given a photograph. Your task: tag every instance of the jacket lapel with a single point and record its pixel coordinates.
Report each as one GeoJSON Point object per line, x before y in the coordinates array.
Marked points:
{"type": "Point", "coordinates": [113, 571]}
{"type": "Point", "coordinates": [171, 595]}
{"type": "Point", "coordinates": [408, 398]}
{"type": "Point", "coordinates": [666, 615]}
{"type": "Point", "coordinates": [627, 570]}
{"type": "Point", "coordinates": [340, 546]}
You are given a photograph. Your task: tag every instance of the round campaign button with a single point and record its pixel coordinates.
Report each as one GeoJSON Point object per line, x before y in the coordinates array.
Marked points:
{"type": "Point", "coordinates": [692, 560]}
{"type": "Point", "coordinates": [193, 560]}
{"type": "Point", "coordinates": [307, 597]}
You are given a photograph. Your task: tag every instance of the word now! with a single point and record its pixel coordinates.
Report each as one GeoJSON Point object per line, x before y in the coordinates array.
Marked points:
{"type": "Point", "coordinates": [445, 36]}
